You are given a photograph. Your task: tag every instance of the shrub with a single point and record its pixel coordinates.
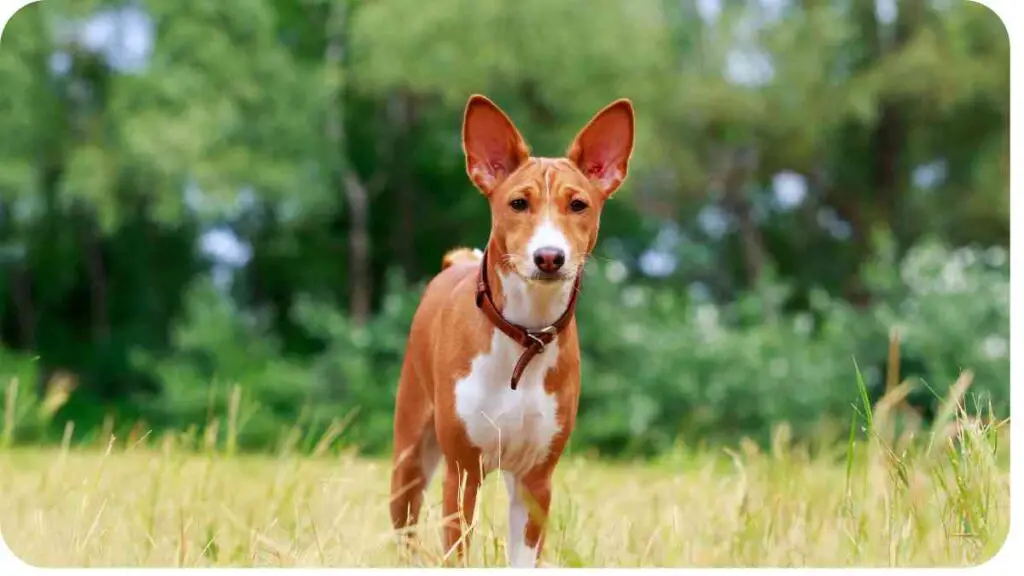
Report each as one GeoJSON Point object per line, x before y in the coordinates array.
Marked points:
{"type": "Point", "coordinates": [660, 365]}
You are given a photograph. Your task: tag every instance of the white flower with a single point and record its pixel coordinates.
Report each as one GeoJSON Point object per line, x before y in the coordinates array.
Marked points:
{"type": "Point", "coordinates": [803, 323]}
{"type": "Point", "coordinates": [707, 321]}
{"type": "Point", "coordinates": [633, 296]}
{"type": "Point", "coordinates": [778, 367]}
{"type": "Point", "coordinates": [995, 347]}
{"type": "Point", "coordinates": [616, 272]}
{"type": "Point", "coordinates": [953, 277]}
{"type": "Point", "coordinates": [996, 256]}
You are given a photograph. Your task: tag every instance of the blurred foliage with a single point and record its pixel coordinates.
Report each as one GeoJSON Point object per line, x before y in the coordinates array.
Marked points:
{"type": "Point", "coordinates": [198, 196]}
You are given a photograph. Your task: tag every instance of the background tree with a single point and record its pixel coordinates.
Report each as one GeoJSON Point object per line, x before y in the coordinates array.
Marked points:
{"type": "Point", "coordinates": [198, 195]}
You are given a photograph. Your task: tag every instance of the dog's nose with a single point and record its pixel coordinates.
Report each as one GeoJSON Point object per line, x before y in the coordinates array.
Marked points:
{"type": "Point", "coordinates": [549, 259]}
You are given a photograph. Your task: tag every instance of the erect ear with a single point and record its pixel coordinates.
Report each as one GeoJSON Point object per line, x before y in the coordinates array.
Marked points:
{"type": "Point", "coordinates": [602, 149]}
{"type": "Point", "coordinates": [493, 146]}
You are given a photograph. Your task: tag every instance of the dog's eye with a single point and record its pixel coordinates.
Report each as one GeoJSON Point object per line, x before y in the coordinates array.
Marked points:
{"type": "Point", "coordinates": [519, 204]}
{"type": "Point", "coordinates": [577, 205]}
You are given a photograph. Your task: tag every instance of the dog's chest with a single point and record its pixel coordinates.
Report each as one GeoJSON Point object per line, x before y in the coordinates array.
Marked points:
{"type": "Point", "coordinates": [512, 428]}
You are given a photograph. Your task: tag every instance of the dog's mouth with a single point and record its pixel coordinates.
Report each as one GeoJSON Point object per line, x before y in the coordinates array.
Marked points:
{"type": "Point", "coordinates": [564, 276]}
{"type": "Point", "coordinates": [549, 278]}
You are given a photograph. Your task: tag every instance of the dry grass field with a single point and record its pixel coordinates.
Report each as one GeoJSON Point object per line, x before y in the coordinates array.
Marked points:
{"type": "Point", "coordinates": [942, 500]}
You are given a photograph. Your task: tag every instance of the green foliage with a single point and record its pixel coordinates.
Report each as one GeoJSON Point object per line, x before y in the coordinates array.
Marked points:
{"type": "Point", "coordinates": [658, 367]}
{"type": "Point", "coordinates": [324, 136]}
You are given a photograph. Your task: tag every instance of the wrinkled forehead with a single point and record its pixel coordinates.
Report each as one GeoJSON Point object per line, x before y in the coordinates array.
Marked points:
{"type": "Point", "coordinates": [547, 176]}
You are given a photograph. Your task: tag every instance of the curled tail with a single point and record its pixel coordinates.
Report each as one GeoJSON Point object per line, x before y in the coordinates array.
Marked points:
{"type": "Point", "coordinates": [459, 255]}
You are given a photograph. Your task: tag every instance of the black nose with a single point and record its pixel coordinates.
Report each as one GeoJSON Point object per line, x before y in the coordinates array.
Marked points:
{"type": "Point", "coordinates": [549, 259]}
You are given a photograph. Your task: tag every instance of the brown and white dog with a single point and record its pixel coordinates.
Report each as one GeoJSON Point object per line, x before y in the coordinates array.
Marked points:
{"type": "Point", "coordinates": [491, 376]}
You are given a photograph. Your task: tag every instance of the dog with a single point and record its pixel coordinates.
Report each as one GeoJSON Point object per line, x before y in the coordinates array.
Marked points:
{"type": "Point", "coordinates": [491, 374]}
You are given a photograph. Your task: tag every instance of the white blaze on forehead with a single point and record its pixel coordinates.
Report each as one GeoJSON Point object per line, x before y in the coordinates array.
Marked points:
{"type": "Point", "coordinates": [546, 234]}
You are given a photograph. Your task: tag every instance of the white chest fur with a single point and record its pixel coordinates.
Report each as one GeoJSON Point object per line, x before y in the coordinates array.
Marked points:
{"type": "Point", "coordinates": [513, 428]}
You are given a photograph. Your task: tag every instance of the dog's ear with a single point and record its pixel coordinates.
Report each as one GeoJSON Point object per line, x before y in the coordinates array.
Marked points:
{"type": "Point", "coordinates": [493, 146]}
{"type": "Point", "coordinates": [602, 148]}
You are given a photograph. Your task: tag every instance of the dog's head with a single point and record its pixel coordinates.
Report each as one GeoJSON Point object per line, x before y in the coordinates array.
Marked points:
{"type": "Point", "coordinates": [545, 212]}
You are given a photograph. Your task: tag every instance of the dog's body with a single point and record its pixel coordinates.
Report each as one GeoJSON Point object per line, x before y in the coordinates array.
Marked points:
{"type": "Point", "coordinates": [491, 374]}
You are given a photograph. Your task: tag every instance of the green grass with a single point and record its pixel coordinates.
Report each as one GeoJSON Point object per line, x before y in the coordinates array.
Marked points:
{"type": "Point", "coordinates": [936, 497]}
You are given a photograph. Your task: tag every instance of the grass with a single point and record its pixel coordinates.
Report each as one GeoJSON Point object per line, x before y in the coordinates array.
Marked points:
{"type": "Point", "coordinates": [935, 498]}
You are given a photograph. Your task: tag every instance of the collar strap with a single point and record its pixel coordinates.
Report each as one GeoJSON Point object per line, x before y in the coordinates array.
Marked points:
{"type": "Point", "coordinates": [533, 341]}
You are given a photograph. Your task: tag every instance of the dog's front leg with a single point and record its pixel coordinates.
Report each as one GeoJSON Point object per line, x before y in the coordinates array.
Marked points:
{"type": "Point", "coordinates": [529, 503]}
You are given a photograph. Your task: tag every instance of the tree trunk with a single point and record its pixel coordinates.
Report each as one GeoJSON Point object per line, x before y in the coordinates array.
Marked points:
{"type": "Point", "coordinates": [92, 251]}
{"type": "Point", "coordinates": [891, 139]}
{"type": "Point", "coordinates": [401, 118]}
{"type": "Point", "coordinates": [738, 166]}
{"type": "Point", "coordinates": [24, 310]}
{"type": "Point", "coordinates": [343, 173]}
{"type": "Point", "coordinates": [880, 205]}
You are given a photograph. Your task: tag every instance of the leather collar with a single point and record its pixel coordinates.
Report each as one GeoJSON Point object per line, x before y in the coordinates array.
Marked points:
{"type": "Point", "coordinates": [533, 341]}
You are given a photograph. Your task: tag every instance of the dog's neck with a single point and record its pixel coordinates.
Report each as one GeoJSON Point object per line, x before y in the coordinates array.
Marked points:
{"type": "Point", "coordinates": [532, 305]}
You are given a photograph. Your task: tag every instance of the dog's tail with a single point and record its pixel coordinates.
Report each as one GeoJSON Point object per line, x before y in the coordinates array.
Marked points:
{"type": "Point", "coordinates": [459, 255]}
